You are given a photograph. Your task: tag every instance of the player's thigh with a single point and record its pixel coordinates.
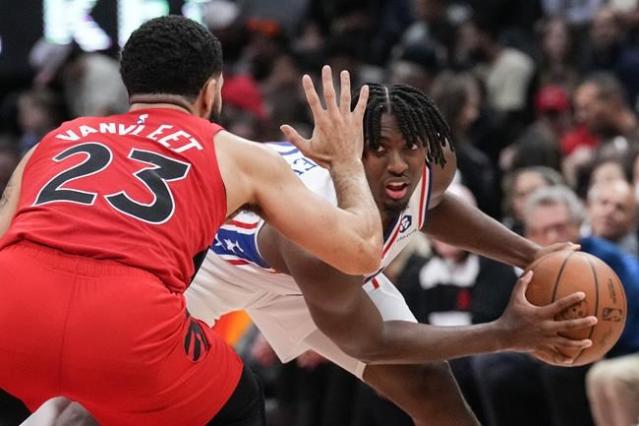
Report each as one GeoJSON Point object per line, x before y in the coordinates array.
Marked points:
{"type": "Point", "coordinates": [245, 407]}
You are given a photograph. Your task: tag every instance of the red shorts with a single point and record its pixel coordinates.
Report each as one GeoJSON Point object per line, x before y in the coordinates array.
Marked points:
{"type": "Point", "coordinates": [111, 337]}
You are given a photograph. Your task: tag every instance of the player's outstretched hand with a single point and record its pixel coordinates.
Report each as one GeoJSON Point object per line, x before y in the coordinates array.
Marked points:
{"type": "Point", "coordinates": [338, 135]}
{"type": "Point", "coordinates": [534, 329]}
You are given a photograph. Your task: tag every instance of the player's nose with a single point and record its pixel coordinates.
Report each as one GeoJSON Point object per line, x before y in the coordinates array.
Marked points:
{"type": "Point", "coordinates": [396, 163]}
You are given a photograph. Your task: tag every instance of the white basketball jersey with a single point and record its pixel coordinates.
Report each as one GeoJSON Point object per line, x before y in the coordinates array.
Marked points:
{"type": "Point", "coordinates": [235, 276]}
{"type": "Point", "coordinates": [236, 241]}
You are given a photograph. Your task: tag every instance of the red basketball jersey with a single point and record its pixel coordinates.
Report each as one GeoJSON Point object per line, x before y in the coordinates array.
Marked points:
{"type": "Point", "coordinates": [141, 188]}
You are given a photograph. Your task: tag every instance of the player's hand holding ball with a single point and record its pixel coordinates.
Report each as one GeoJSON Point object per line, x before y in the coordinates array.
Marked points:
{"type": "Point", "coordinates": [567, 309]}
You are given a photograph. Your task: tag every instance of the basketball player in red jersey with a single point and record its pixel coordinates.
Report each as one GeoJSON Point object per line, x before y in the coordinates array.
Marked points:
{"type": "Point", "coordinates": [105, 219]}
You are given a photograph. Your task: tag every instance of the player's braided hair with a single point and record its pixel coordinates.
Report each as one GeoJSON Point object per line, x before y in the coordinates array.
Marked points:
{"type": "Point", "coordinates": [418, 118]}
{"type": "Point", "coordinates": [170, 55]}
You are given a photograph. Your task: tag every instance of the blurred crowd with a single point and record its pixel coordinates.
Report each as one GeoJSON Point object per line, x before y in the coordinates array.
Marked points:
{"type": "Point", "coordinates": [542, 99]}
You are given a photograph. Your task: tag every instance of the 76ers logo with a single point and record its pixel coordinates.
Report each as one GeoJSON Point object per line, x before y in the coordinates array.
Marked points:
{"type": "Point", "coordinates": [406, 222]}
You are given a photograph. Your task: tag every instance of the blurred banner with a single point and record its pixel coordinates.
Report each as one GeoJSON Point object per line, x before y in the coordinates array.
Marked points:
{"type": "Point", "coordinates": [95, 25]}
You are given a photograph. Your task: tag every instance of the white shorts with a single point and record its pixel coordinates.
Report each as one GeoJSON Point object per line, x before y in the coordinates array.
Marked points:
{"type": "Point", "coordinates": [277, 307]}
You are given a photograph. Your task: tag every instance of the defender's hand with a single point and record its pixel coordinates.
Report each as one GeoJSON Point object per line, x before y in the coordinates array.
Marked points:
{"type": "Point", "coordinates": [338, 135]}
{"type": "Point", "coordinates": [530, 328]}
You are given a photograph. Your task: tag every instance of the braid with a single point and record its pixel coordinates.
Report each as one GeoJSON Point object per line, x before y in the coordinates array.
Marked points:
{"type": "Point", "coordinates": [418, 118]}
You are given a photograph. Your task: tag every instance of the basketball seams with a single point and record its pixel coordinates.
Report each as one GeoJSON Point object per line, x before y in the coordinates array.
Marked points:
{"type": "Point", "coordinates": [596, 311]}
{"type": "Point", "coordinates": [535, 264]}
{"type": "Point", "coordinates": [561, 271]}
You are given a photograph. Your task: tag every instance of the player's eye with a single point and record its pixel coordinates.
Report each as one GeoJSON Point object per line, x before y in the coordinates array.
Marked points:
{"type": "Point", "coordinates": [413, 147]}
{"type": "Point", "coordinates": [380, 149]}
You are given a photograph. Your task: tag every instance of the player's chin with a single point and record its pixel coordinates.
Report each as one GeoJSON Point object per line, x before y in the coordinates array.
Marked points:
{"type": "Point", "coordinates": [395, 205]}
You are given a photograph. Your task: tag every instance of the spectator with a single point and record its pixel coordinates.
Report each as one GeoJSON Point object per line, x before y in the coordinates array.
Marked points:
{"type": "Point", "coordinates": [600, 104]}
{"type": "Point", "coordinates": [609, 51]}
{"type": "Point", "coordinates": [506, 72]}
{"type": "Point", "coordinates": [557, 64]}
{"type": "Point", "coordinates": [613, 214]}
{"type": "Point", "coordinates": [39, 112]}
{"type": "Point", "coordinates": [520, 184]}
{"type": "Point", "coordinates": [539, 143]}
{"type": "Point", "coordinates": [613, 391]}
{"type": "Point", "coordinates": [91, 81]}
{"type": "Point", "coordinates": [459, 99]}
{"type": "Point", "coordinates": [417, 66]}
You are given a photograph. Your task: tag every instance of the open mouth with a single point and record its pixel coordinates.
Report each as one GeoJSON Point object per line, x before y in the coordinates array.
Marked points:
{"type": "Point", "coordinates": [396, 190]}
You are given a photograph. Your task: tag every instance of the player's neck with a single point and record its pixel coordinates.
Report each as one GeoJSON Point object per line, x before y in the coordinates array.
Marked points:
{"type": "Point", "coordinates": [389, 219]}
{"type": "Point", "coordinates": [160, 101]}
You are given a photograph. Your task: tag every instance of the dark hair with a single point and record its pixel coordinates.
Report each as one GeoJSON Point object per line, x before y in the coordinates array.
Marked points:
{"type": "Point", "coordinates": [418, 118]}
{"type": "Point", "coordinates": [451, 93]}
{"type": "Point", "coordinates": [608, 86]}
{"type": "Point", "coordinates": [170, 55]}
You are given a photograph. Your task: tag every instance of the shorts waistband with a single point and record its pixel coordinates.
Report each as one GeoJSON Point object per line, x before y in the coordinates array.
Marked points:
{"type": "Point", "coordinates": [78, 264]}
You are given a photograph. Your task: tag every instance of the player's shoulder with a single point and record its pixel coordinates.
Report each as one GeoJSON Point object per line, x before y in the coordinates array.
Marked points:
{"type": "Point", "coordinates": [442, 176]}
{"type": "Point", "coordinates": [243, 154]}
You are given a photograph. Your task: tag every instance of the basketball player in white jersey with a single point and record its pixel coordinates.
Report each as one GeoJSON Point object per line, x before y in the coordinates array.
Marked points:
{"type": "Point", "coordinates": [300, 303]}
{"type": "Point", "coordinates": [363, 324]}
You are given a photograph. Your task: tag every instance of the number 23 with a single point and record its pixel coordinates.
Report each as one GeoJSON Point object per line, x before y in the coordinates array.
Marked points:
{"type": "Point", "coordinates": [155, 178]}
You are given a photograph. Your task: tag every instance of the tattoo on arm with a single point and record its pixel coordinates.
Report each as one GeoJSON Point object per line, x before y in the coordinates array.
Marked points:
{"type": "Point", "coordinates": [5, 195]}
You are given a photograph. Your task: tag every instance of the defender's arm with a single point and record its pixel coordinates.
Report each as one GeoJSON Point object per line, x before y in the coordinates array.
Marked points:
{"type": "Point", "coordinates": [11, 195]}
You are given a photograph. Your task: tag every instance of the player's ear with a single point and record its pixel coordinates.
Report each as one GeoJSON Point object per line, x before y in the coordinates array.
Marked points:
{"type": "Point", "coordinates": [209, 96]}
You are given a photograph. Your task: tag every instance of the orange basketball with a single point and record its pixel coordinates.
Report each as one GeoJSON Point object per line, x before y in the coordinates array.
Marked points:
{"type": "Point", "coordinates": [559, 274]}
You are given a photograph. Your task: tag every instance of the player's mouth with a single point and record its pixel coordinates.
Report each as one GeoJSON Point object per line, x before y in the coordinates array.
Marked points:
{"type": "Point", "coordinates": [396, 190]}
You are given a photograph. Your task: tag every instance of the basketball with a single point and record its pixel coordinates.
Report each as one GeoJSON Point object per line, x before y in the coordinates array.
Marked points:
{"type": "Point", "coordinates": [559, 274]}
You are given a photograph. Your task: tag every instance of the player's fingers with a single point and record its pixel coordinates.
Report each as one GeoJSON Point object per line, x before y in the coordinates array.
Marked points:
{"type": "Point", "coordinates": [329, 89]}
{"type": "Point", "coordinates": [522, 285]}
{"type": "Point", "coordinates": [566, 343]}
{"type": "Point", "coordinates": [360, 108]}
{"type": "Point", "coordinates": [574, 324]}
{"type": "Point", "coordinates": [312, 97]}
{"type": "Point", "coordinates": [345, 92]}
{"type": "Point", "coordinates": [565, 246]}
{"type": "Point", "coordinates": [554, 357]}
{"type": "Point", "coordinates": [564, 303]}
{"type": "Point", "coordinates": [295, 138]}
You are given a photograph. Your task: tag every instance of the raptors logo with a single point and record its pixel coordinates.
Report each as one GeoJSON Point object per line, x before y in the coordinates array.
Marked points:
{"type": "Point", "coordinates": [195, 342]}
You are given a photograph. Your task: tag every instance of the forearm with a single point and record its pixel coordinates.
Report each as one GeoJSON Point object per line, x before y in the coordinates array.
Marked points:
{"type": "Point", "coordinates": [457, 223]}
{"type": "Point", "coordinates": [354, 196]}
{"type": "Point", "coordinates": [358, 329]}
{"type": "Point", "coordinates": [8, 204]}
{"type": "Point", "coordinates": [413, 343]}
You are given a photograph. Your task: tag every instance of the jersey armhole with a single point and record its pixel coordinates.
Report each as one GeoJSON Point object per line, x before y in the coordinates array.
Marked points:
{"type": "Point", "coordinates": [218, 172]}
{"type": "Point", "coordinates": [262, 261]}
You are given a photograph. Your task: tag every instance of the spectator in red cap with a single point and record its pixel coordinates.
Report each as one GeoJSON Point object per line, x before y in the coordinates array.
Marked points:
{"type": "Point", "coordinates": [539, 144]}
{"type": "Point", "coordinates": [244, 112]}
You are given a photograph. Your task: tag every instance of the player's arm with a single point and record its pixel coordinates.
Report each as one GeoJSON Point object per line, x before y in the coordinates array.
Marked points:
{"type": "Point", "coordinates": [455, 222]}
{"type": "Point", "coordinates": [345, 313]}
{"type": "Point", "coordinates": [11, 195]}
{"type": "Point", "coordinates": [348, 237]}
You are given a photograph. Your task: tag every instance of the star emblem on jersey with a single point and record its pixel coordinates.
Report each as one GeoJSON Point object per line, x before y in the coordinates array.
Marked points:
{"type": "Point", "coordinates": [405, 223]}
{"type": "Point", "coordinates": [302, 165]}
{"type": "Point", "coordinates": [232, 245]}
